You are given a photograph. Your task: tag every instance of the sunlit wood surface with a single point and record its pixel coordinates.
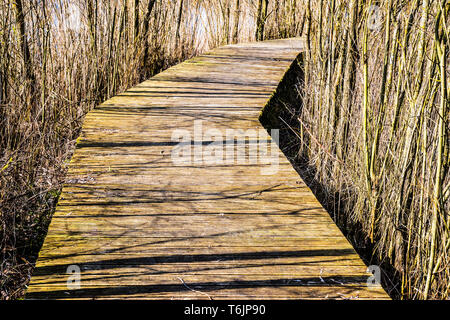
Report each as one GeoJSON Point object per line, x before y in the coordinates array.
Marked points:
{"type": "Point", "coordinates": [140, 226]}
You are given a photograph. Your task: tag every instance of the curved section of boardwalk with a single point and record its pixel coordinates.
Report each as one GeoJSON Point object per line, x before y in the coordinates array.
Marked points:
{"type": "Point", "coordinates": [141, 218]}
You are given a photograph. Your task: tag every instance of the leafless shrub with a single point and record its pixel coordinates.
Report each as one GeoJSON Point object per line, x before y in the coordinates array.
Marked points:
{"type": "Point", "coordinates": [376, 127]}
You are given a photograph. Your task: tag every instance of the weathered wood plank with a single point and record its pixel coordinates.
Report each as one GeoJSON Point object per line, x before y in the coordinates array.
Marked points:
{"type": "Point", "coordinates": [142, 225]}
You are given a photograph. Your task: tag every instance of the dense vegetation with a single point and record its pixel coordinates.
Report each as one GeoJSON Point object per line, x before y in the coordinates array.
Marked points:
{"type": "Point", "coordinates": [373, 131]}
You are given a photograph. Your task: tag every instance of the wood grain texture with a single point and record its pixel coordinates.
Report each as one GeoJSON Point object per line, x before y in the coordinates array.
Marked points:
{"type": "Point", "coordinates": [141, 226]}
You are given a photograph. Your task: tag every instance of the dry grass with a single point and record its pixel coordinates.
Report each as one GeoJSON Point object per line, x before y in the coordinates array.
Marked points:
{"type": "Point", "coordinates": [375, 132]}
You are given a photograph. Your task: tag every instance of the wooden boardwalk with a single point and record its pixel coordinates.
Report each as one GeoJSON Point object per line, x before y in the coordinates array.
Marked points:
{"type": "Point", "coordinates": [143, 220]}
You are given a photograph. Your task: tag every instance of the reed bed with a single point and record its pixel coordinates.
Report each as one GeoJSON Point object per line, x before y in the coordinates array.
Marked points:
{"type": "Point", "coordinates": [374, 132]}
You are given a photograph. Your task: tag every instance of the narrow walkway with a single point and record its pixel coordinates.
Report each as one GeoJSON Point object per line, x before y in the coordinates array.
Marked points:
{"type": "Point", "coordinates": [140, 217]}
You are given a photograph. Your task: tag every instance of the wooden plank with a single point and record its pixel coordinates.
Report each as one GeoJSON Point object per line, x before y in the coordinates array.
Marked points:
{"type": "Point", "coordinates": [177, 291]}
{"type": "Point", "coordinates": [140, 225]}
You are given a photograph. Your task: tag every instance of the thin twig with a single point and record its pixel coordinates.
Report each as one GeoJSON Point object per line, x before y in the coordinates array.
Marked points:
{"type": "Point", "coordinates": [193, 290]}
